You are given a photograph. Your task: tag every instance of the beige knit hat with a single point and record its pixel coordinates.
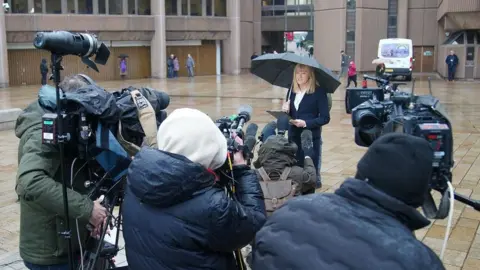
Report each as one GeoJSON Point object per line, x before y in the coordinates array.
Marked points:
{"type": "Point", "coordinates": [193, 134]}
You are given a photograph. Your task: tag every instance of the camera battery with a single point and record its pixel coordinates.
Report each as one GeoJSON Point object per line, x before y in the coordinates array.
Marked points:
{"type": "Point", "coordinates": [49, 128]}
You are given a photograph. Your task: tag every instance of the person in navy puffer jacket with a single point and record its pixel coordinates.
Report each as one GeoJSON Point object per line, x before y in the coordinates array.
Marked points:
{"type": "Point", "coordinates": [175, 216]}
{"type": "Point", "coordinates": [367, 224]}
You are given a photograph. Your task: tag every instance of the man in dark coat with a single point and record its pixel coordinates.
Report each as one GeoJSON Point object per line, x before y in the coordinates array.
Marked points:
{"type": "Point", "coordinates": [176, 214]}
{"type": "Point", "coordinates": [44, 70]}
{"type": "Point", "coordinates": [452, 63]}
{"type": "Point", "coordinates": [367, 223]}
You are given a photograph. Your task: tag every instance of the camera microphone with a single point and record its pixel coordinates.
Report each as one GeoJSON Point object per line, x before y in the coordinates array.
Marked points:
{"type": "Point", "coordinates": [243, 117]}
{"type": "Point", "coordinates": [250, 142]}
{"type": "Point", "coordinates": [267, 131]}
{"type": "Point", "coordinates": [282, 124]}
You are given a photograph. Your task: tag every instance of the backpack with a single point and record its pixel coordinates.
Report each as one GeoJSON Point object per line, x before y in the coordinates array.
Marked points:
{"type": "Point", "coordinates": [276, 193]}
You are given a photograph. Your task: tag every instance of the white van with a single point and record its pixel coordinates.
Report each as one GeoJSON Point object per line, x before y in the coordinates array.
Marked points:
{"type": "Point", "coordinates": [398, 56]}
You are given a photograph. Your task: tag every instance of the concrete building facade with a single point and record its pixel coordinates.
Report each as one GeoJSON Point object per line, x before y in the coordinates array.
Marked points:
{"type": "Point", "coordinates": [221, 35]}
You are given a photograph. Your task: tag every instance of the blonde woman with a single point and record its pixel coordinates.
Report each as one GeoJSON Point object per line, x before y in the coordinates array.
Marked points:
{"type": "Point", "coordinates": [307, 104]}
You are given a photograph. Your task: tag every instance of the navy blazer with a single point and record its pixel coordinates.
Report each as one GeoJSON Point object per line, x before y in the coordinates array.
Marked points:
{"type": "Point", "coordinates": [313, 109]}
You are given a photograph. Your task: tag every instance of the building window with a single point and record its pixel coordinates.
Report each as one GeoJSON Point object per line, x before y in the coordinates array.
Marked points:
{"type": "Point", "coordinates": [18, 6]}
{"type": "Point", "coordinates": [351, 25]}
{"type": "Point", "coordinates": [171, 7]}
{"type": "Point", "coordinates": [115, 7]}
{"type": "Point", "coordinates": [37, 6]}
{"type": "Point", "coordinates": [71, 6]}
{"type": "Point", "coordinates": [143, 7]}
{"type": "Point", "coordinates": [220, 8]}
{"type": "Point", "coordinates": [131, 7]}
{"type": "Point", "coordinates": [458, 38]}
{"type": "Point", "coordinates": [392, 19]}
{"type": "Point", "coordinates": [102, 7]}
{"type": "Point", "coordinates": [351, 4]}
{"type": "Point", "coordinates": [53, 6]}
{"type": "Point", "coordinates": [351, 35]}
{"type": "Point", "coordinates": [85, 6]}
{"type": "Point", "coordinates": [185, 7]}
{"type": "Point", "coordinates": [196, 8]}
{"type": "Point", "coordinates": [209, 6]}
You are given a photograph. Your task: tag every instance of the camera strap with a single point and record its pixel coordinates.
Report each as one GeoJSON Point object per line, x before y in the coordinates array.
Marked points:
{"type": "Point", "coordinates": [148, 121]}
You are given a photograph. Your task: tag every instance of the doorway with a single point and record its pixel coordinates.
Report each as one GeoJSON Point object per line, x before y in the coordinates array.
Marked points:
{"type": "Point", "coordinates": [470, 62]}
{"type": "Point", "coordinates": [424, 58]}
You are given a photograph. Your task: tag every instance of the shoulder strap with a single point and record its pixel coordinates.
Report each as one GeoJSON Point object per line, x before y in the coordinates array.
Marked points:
{"type": "Point", "coordinates": [264, 174]}
{"type": "Point", "coordinates": [146, 116]}
{"type": "Point", "coordinates": [285, 173]}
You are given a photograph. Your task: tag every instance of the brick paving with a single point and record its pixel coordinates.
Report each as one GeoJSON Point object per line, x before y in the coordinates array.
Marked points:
{"type": "Point", "coordinates": [220, 96]}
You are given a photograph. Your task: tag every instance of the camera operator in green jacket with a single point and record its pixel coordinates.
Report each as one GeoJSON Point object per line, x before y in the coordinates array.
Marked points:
{"type": "Point", "coordinates": [39, 188]}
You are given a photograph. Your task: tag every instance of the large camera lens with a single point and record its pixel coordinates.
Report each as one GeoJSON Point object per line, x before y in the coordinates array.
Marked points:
{"type": "Point", "coordinates": [365, 119]}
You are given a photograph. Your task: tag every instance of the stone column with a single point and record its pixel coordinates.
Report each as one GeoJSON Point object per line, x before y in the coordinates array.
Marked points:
{"type": "Point", "coordinates": [329, 32]}
{"type": "Point", "coordinates": [4, 76]}
{"type": "Point", "coordinates": [158, 48]}
{"type": "Point", "coordinates": [257, 27]}
{"type": "Point", "coordinates": [231, 46]}
{"type": "Point", "coordinates": [402, 19]}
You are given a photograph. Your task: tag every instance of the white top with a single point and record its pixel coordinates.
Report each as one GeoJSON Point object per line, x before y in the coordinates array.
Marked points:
{"type": "Point", "coordinates": [298, 98]}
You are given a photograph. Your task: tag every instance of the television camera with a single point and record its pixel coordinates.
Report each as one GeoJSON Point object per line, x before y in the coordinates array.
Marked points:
{"type": "Point", "coordinates": [233, 127]}
{"type": "Point", "coordinates": [376, 111]}
{"type": "Point", "coordinates": [98, 129]}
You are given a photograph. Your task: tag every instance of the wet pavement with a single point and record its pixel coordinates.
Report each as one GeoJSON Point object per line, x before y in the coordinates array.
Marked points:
{"type": "Point", "coordinates": [220, 96]}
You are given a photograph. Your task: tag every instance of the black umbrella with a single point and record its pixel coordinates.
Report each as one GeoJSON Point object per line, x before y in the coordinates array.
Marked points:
{"type": "Point", "coordinates": [277, 69]}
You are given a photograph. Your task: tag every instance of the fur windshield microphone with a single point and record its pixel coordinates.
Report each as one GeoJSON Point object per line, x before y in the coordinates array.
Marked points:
{"type": "Point", "coordinates": [268, 130]}
{"type": "Point", "coordinates": [282, 124]}
{"type": "Point", "coordinates": [250, 141]}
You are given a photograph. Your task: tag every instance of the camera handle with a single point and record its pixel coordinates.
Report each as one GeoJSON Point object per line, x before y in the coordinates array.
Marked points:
{"type": "Point", "coordinates": [62, 138]}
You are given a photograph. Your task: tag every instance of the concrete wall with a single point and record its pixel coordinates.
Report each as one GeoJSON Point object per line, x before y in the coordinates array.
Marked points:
{"type": "Point", "coordinates": [329, 31]}
{"type": "Point", "coordinates": [371, 26]}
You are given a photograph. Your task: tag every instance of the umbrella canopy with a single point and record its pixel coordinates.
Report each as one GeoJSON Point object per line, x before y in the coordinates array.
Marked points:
{"type": "Point", "coordinates": [378, 61]}
{"type": "Point", "coordinates": [277, 69]}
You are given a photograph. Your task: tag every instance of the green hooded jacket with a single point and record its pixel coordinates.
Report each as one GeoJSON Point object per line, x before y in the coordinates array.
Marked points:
{"type": "Point", "coordinates": [276, 154]}
{"type": "Point", "coordinates": [39, 189]}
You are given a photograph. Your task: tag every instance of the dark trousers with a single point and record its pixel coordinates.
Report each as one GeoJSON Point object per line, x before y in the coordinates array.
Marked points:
{"type": "Point", "coordinates": [300, 155]}
{"type": "Point", "coordinates": [353, 79]}
{"type": "Point", "coordinates": [44, 78]}
{"type": "Point", "coordinates": [451, 73]}
{"type": "Point", "coordinates": [32, 266]}
{"type": "Point", "coordinates": [170, 72]}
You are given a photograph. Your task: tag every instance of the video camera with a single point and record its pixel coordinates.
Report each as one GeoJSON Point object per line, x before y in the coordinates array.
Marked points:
{"type": "Point", "coordinates": [383, 110]}
{"type": "Point", "coordinates": [100, 128]}
{"type": "Point", "coordinates": [232, 127]}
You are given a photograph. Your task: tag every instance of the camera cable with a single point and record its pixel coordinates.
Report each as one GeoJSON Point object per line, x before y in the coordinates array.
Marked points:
{"type": "Point", "coordinates": [76, 220]}
{"type": "Point", "coordinates": [450, 218]}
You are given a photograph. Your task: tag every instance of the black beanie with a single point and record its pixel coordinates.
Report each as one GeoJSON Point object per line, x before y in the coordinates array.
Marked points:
{"type": "Point", "coordinates": [399, 165]}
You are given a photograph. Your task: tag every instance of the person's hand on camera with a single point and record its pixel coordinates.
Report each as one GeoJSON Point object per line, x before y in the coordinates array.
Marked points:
{"type": "Point", "coordinates": [286, 106]}
{"type": "Point", "coordinates": [98, 217]}
{"type": "Point", "coordinates": [238, 158]}
{"type": "Point", "coordinates": [298, 123]}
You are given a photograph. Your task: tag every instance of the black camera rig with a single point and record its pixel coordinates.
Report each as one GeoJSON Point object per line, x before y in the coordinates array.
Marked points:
{"type": "Point", "coordinates": [233, 127]}
{"type": "Point", "coordinates": [89, 125]}
{"type": "Point", "coordinates": [378, 111]}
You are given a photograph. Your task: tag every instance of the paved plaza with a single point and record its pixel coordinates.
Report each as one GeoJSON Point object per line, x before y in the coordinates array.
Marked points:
{"type": "Point", "coordinates": [219, 96]}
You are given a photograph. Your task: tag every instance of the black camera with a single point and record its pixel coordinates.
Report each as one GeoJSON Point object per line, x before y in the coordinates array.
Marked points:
{"type": "Point", "coordinates": [98, 128]}
{"type": "Point", "coordinates": [83, 45]}
{"type": "Point", "coordinates": [420, 116]}
{"type": "Point", "coordinates": [234, 126]}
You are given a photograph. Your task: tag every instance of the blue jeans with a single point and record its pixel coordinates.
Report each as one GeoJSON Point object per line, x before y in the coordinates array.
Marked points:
{"type": "Point", "coordinates": [190, 72]}
{"type": "Point", "coordinates": [32, 266]}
